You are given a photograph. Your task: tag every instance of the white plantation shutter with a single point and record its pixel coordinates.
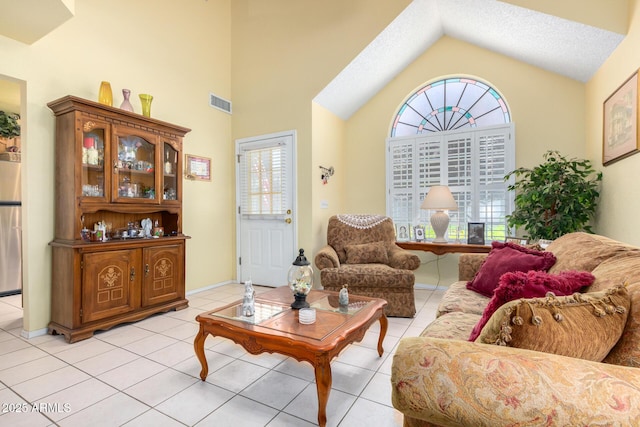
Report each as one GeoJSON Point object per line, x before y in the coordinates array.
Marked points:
{"type": "Point", "coordinates": [473, 165]}
{"type": "Point", "coordinates": [401, 168]}
{"type": "Point", "coordinates": [263, 177]}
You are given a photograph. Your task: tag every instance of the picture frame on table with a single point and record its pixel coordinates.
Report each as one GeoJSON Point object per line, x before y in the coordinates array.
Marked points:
{"type": "Point", "coordinates": [620, 122]}
{"type": "Point", "coordinates": [418, 232]}
{"type": "Point", "coordinates": [475, 233]}
{"type": "Point", "coordinates": [403, 232]}
{"type": "Point", "coordinates": [517, 240]}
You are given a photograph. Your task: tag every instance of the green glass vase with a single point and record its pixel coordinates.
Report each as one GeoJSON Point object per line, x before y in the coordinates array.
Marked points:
{"type": "Point", "coordinates": [146, 99]}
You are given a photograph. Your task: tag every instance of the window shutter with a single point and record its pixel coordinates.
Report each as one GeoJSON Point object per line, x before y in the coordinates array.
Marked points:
{"type": "Point", "coordinates": [263, 177]}
{"type": "Point", "coordinates": [472, 163]}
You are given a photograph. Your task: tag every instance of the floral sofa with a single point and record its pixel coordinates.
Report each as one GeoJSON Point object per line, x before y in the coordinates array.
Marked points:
{"type": "Point", "coordinates": [534, 362]}
{"type": "Point", "coordinates": [361, 252]}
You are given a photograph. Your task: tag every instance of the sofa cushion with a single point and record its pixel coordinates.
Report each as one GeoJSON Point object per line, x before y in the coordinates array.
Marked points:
{"type": "Point", "coordinates": [626, 352]}
{"type": "Point", "coordinates": [621, 269]}
{"type": "Point", "coordinates": [459, 298]}
{"type": "Point", "coordinates": [532, 284]}
{"type": "Point", "coordinates": [455, 325]}
{"type": "Point", "coordinates": [584, 252]}
{"type": "Point", "coordinates": [367, 253]}
{"type": "Point", "coordinates": [585, 326]}
{"type": "Point", "coordinates": [367, 275]}
{"type": "Point", "coordinates": [505, 257]}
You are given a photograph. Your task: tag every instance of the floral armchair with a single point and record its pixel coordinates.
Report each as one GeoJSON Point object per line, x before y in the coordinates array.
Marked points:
{"type": "Point", "coordinates": [361, 252]}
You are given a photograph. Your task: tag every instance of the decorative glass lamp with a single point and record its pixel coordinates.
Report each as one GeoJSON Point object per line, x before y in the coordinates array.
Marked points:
{"type": "Point", "coordinates": [440, 199]}
{"type": "Point", "coordinates": [300, 279]}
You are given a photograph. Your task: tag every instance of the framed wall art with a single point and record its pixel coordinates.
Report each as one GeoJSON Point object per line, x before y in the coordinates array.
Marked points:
{"type": "Point", "coordinates": [620, 122]}
{"type": "Point", "coordinates": [198, 167]}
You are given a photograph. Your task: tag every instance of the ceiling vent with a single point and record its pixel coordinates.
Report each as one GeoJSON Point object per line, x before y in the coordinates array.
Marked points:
{"type": "Point", "coordinates": [219, 103]}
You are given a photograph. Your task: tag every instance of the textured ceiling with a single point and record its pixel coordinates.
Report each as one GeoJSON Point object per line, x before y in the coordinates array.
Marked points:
{"type": "Point", "coordinates": [559, 45]}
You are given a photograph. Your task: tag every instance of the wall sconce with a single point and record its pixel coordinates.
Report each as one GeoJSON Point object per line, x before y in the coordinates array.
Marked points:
{"type": "Point", "coordinates": [326, 174]}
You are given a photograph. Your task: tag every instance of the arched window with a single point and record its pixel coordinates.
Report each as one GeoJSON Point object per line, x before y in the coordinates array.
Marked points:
{"type": "Point", "coordinates": [450, 104]}
{"type": "Point", "coordinates": [455, 132]}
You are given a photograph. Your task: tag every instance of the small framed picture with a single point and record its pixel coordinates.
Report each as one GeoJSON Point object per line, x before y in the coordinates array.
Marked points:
{"type": "Point", "coordinates": [517, 240]}
{"type": "Point", "coordinates": [198, 168]}
{"type": "Point", "coordinates": [402, 232]}
{"type": "Point", "coordinates": [418, 232]}
{"type": "Point", "coordinates": [475, 233]}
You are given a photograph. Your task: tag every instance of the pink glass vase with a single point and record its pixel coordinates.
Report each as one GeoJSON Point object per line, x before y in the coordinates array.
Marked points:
{"type": "Point", "coordinates": [126, 104]}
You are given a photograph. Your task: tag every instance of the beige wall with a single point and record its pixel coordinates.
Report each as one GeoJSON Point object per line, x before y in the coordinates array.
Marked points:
{"type": "Point", "coordinates": [620, 201]}
{"type": "Point", "coordinates": [328, 140]}
{"type": "Point", "coordinates": [548, 111]}
{"type": "Point", "coordinates": [284, 52]}
{"type": "Point", "coordinates": [177, 52]}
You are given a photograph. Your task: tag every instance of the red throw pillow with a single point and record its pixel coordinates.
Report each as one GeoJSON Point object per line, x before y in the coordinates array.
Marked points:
{"type": "Point", "coordinates": [506, 257]}
{"type": "Point", "coordinates": [532, 284]}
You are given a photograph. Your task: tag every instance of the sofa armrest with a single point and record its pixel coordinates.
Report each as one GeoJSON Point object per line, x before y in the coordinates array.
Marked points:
{"type": "Point", "coordinates": [461, 383]}
{"type": "Point", "coordinates": [468, 266]}
{"type": "Point", "coordinates": [402, 259]}
{"type": "Point", "coordinates": [327, 257]}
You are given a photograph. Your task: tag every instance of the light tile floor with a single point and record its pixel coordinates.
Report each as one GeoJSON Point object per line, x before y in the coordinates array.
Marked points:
{"type": "Point", "coordinates": [146, 374]}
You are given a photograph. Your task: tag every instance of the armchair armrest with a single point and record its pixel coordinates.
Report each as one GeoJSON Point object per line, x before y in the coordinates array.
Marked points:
{"type": "Point", "coordinates": [468, 266]}
{"type": "Point", "coordinates": [327, 257]}
{"type": "Point", "coordinates": [401, 258]}
{"type": "Point", "coordinates": [460, 383]}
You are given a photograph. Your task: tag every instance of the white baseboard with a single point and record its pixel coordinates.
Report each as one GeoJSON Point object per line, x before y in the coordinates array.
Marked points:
{"type": "Point", "coordinates": [206, 288]}
{"type": "Point", "coordinates": [32, 334]}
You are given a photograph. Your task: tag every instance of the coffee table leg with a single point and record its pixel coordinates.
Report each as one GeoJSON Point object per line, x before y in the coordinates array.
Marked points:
{"type": "Point", "coordinates": [383, 331]}
{"type": "Point", "coordinates": [323, 385]}
{"type": "Point", "coordinates": [198, 346]}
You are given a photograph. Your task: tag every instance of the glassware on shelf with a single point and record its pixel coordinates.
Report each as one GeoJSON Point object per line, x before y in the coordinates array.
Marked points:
{"type": "Point", "coordinates": [146, 99]}
{"type": "Point", "coordinates": [126, 104]}
{"type": "Point", "coordinates": [105, 95]}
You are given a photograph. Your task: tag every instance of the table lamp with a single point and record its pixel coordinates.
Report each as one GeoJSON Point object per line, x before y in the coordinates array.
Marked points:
{"type": "Point", "coordinates": [439, 198]}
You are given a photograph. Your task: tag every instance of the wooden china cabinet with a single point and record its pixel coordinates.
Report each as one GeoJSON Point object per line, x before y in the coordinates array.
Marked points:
{"type": "Point", "coordinates": [116, 172]}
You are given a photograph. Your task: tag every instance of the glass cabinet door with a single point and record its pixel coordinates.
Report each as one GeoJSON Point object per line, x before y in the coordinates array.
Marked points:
{"type": "Point", "coordinates": [135, 165]}
{"type": "Point", "coordinates": [170, 173]}
{"type": "Point", "coordinates": [93, 160]}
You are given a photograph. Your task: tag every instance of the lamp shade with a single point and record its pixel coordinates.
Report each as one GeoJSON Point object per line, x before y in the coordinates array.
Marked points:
{"type": "Point", "coordinates": [439, 197]}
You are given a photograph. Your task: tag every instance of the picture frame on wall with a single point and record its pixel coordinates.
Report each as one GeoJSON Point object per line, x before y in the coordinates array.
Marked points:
{"type": "Point", "coordinates": [475, 233]}
{"type": "Point", "coordinates": [620, 122]}
{"type": "Point", "coordinates": [198, 168]}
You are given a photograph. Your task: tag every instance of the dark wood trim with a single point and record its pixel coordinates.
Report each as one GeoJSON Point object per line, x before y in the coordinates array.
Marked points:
{"type": "Point", "coordinates": [445, 248]}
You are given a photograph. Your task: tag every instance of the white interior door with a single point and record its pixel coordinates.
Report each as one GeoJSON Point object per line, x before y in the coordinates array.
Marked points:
{"type": "Point", "coordinates": [265, 197]}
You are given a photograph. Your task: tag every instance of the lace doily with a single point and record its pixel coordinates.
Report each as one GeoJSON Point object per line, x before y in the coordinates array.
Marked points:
{"type": "Point", "coordinates": [361, 221]}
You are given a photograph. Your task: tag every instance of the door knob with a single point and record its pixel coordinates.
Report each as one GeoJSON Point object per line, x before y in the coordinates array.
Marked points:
{"type": "Point", "coordinates": [288, 220]}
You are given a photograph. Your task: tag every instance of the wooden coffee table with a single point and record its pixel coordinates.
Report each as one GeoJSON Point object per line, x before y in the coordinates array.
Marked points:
{"type": "Point", "coordinates": [275, 328]}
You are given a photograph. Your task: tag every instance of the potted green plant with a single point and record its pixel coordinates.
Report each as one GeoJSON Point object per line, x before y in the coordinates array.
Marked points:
{"type": "Point", "coordinates": [557, 197]}
{"type": "Point", "coordinates": [9, 126]}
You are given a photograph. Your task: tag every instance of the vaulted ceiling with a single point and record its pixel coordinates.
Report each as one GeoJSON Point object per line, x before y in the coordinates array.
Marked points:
{"type": "Point", "coordinates": [572, 39]}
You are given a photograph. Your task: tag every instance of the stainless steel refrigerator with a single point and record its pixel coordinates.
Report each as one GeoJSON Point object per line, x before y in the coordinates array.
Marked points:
{"type": "Point", "coordinates": [10, 229]}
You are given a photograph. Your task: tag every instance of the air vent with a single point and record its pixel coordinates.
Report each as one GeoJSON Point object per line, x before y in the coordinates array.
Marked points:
{"type": "Point", "coordinates": [219, 103]}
